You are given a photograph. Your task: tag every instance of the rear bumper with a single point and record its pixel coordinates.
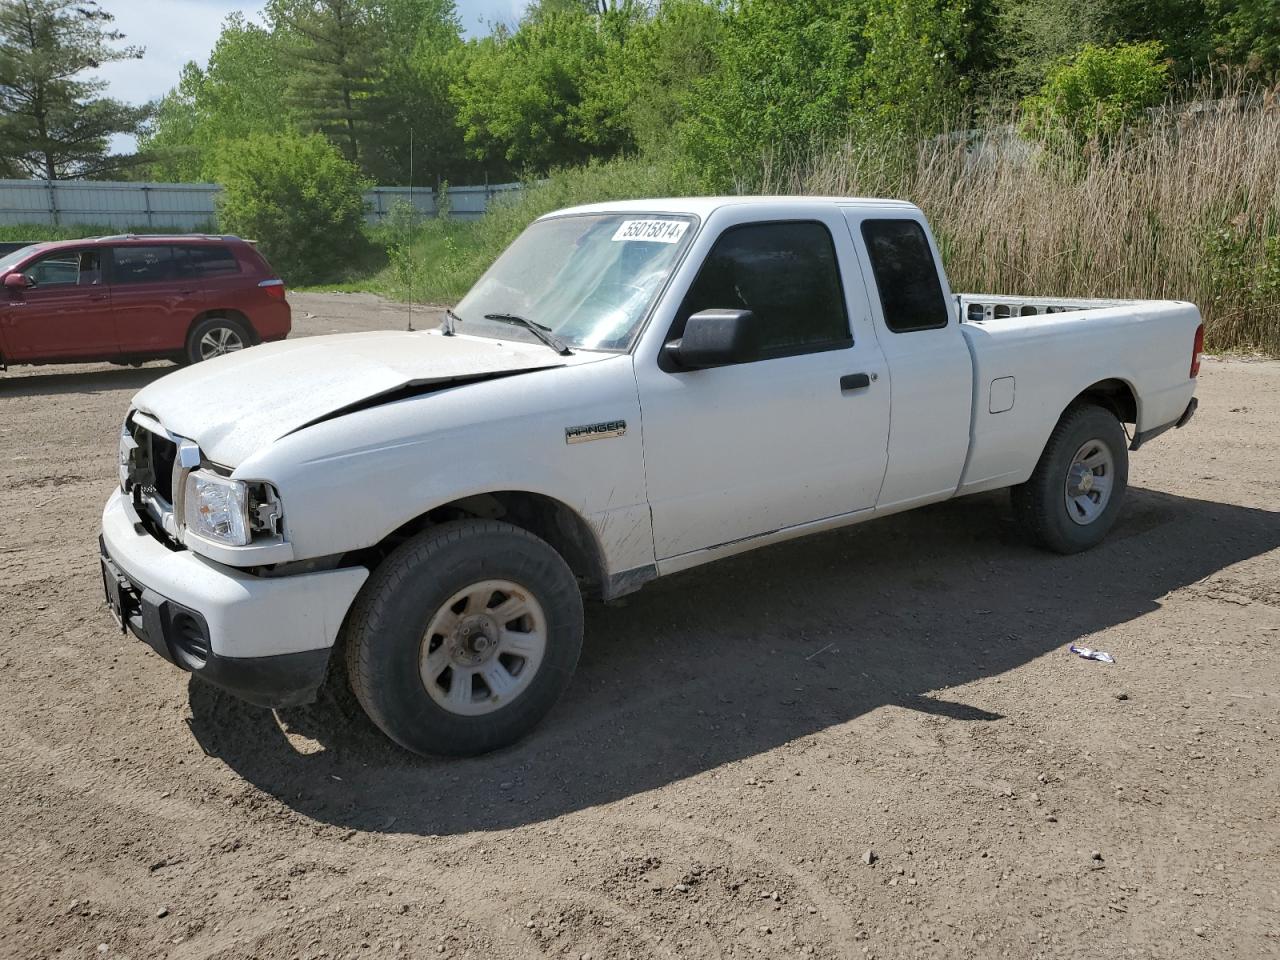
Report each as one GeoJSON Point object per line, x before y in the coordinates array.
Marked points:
{"type": "Point", "coordinates": [1140, 438]}
{"type": "Point", "coordinates": [272, 320]}
{"type": "Point", "coordinates": [265, 639]}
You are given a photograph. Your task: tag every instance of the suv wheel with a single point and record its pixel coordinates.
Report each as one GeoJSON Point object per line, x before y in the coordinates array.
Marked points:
{"type": "Point", "coordinates": [464, 638]}
{"type": "Point", "coordinates": [215, 337]}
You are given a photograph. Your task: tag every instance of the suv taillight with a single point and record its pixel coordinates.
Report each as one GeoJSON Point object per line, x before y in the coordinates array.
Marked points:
{"type": "Point", "coordinates": [273, 287]}
{"type": "Point", "coordinates": [1197, 348]}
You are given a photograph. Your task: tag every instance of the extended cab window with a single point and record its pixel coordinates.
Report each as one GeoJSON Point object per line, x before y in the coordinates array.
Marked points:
{"type": "Point", "coordinates": [67, 268]}
{"type": "Point", "coordinates": [786, 273]}
{"type": "Point", "coordinates": [206, 260]}
{"type": "Point", "coordinates": [906, 276]}
{"type": "Point", "coordinates": [141, 264]}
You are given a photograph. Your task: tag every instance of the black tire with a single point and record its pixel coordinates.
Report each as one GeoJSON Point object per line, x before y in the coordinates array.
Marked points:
{"type": "Point", "coordinates": [385, 634]}
{"type": "Point", "coordinates": [215, 327]}
{"type": "Point", "coordinates": [1041, 504]}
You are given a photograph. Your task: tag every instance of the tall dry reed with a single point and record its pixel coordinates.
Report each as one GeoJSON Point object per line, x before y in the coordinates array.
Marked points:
{"type": "Point", "coordinates": [1187, 208]}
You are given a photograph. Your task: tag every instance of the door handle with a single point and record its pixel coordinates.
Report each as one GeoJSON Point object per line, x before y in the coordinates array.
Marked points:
{"type": "Point", "coordinates": [97, 296]}
{"type": "Point", "coordinates": [855, 381]}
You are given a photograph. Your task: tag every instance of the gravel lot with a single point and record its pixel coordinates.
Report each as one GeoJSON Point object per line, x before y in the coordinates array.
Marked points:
{"type": "Point", "coordinates": [737, 739]}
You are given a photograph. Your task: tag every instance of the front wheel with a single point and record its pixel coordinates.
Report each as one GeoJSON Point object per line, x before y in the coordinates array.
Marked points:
{"type": "Point", "coordinates": [464, 638]}
{"type": "Point", "coordinates": [1072, 498]}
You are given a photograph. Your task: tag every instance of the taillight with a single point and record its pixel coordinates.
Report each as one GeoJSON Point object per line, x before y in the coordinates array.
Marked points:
{"type": "Point", "coordinates": [273, 287]}
{"type": "Point", "coordinates": [1196, 349]}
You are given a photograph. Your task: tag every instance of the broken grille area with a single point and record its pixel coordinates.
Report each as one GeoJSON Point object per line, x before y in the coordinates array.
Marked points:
{"type": "Point", "coordinates": [163, 454]}
{"type": "Point", "coordinates": [149, 471]}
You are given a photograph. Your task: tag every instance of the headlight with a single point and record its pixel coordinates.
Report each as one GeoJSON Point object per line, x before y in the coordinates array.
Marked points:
{"type": "Point", "coordinates": [217, 508]}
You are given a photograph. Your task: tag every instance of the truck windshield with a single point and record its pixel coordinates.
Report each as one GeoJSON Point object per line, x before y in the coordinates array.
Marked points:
{"type": "Point", "coordinates": [589, 278]}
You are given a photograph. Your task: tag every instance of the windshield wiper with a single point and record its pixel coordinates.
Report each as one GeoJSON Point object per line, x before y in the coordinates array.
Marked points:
{"type": "Point", "coordinates": [541, 331]}
{"type": "Point", "coordinates": [451, 320]}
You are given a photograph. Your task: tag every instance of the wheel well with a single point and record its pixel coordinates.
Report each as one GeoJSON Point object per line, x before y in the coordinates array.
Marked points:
{"type": "Point", "coordinates": [227, 314]}
{"type": "Point", "coordinates": [1116, 395]}
{"type": "Point", "coordinates": [545, 517]}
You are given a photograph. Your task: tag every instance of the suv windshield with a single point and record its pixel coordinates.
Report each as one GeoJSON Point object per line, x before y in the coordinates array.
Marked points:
{"type": "Point", "coordinates": [11, 260]}
{"type": "Point", "coordinates": [589, 278]}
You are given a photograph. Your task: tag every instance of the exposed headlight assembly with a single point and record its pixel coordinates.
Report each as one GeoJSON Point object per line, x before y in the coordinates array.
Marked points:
{"type": "Point", "coordinates": [217, 508]}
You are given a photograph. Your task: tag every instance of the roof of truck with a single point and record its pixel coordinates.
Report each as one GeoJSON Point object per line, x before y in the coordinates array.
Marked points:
{"type": "Point", "coordinates": [703, 206]}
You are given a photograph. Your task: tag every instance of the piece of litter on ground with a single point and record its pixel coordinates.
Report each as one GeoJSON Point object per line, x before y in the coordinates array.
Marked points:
{"type": "Point", "coordinates": [1089, 653]}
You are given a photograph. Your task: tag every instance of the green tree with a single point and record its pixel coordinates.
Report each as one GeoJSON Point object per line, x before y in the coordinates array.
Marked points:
{"type": "Point", "coordinates": [241, 92]}
{"type": "Point", "coordinates": [1183, 28]}
{"type": "Point", "coordinates": [297, 196]}
{"type": "Point", "coordinates": [1097, 95]}
{"type": "Point", "coordinates": [1247, 33]}
{"type": "Point", "coordinates": [1034, 36]}
{"type": "Point", "coordinates": [53, 123]}
{"type": "Point", "coordinates": [658, 59]}
{"type": "Point", "coordinates": [368, 92]}
{"type": "Point", "coordinates": [908, 82]}
{"type": "Point", "coordinates": [782, 80]}
{"type": "Point", "coordinates": [523, 101]}
{"type": "Point", "coordinates": [793, 75]}
{"type": "Point", "coordinates": [421, 52]}
{"type": "Point", "coordinates": [334, 45]}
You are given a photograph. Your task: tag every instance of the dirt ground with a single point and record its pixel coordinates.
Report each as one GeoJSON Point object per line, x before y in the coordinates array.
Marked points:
{"type": "Point", "coordinates": [736, 741]}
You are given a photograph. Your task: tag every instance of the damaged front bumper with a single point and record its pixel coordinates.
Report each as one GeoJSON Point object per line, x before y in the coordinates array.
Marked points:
{"type": "Point", "coordinates": [265, 639]}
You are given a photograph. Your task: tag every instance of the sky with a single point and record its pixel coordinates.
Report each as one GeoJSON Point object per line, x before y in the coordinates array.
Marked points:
{"type": "Point", "coordinates": [175, 31]}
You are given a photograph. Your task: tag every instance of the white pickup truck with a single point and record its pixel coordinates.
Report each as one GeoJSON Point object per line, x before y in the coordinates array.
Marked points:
{"type": "Point", "coordinates": [631, 390]}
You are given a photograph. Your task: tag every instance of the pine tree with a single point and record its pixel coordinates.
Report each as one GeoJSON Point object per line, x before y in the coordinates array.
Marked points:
{"type": "Point", "coordinates": [53, 124]}
{"type": "Point", "coordinates": [336, 49]}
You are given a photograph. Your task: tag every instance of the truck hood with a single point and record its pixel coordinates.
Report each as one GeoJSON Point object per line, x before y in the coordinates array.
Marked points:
{"type": "Point", "coordinates": [234, 405]}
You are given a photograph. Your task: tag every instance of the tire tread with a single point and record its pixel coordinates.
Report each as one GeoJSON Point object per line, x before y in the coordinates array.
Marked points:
{"type": "Point", "coordinates": [370, 609]}
{"type": "Point", "coordinates": [1036, 502]}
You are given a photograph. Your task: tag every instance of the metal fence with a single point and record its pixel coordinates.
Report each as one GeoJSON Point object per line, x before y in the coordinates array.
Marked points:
{"type": "Point", "coordinates": [191, 206]}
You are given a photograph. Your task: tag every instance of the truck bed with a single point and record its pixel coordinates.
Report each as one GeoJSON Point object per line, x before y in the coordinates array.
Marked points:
{"type": "Point", "coordinates": [1033, 355]}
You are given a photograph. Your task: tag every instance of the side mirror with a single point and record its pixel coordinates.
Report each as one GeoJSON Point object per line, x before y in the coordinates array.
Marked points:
{"type": "Point", "coordinates": [18, 281]}
{"type": "Point", "coordinates": [716, 338]}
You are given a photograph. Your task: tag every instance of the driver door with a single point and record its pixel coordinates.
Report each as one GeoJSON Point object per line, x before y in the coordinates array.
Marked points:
{"type": "Point", "coordinates": [66, 314]}
{"type": "Point", "coordinates": [796, 436]}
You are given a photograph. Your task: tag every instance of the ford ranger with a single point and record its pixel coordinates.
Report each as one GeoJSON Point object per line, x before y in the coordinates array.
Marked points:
{"type": "Point", "coordinates": [632, 389]}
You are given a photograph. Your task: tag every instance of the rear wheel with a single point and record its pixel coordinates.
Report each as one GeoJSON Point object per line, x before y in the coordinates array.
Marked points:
{"type": "Point", "coordinates": [464, 638]}
{"type": "Point", "coordinates": [215, 337]}
{"type": "Point", "coordinates": [1074, 495]}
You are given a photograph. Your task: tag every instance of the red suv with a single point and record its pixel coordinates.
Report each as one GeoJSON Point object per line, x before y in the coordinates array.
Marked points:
{"type": "Point", "coordinates": [134, 298]}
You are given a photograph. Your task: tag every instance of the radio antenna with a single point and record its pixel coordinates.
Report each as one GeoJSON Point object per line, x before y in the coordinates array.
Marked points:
{"type": "Point", "coordinates": [413, 216]}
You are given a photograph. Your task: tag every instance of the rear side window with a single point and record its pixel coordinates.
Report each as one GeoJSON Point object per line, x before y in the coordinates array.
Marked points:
{"type": "Point", "coordinates": [206, 260]}
{"type": "Point", "coordinates": [906, 275]}
{"type": "Point", "coordinates": [786, 273]}
{"type": "Point", "coordinates": [141, 264]}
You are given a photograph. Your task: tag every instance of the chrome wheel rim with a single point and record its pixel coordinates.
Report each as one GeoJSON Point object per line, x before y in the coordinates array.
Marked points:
{"type": "Point", "coordinates": [219, 341]}
{"type": "Point", "coordinates": [1090, 479]}
{"type": "Point", "coordinates": [483, 647]}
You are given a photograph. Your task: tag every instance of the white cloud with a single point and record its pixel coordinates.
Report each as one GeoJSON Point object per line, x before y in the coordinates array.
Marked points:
{"type": "Point", "coordinates": [172, 32]}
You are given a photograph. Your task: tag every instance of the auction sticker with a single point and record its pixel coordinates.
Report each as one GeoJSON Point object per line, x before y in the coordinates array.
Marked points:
{"type": "Point", "coordinates": [654, 231]}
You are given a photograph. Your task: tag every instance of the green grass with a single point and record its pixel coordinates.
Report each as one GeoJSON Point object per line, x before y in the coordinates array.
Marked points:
{"type": "Point", "coordinates": [449, 255]}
